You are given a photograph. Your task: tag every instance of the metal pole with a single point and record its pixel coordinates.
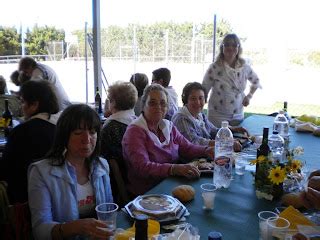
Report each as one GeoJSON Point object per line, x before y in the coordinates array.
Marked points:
{"type": "Point", "coordinates": [86, 56]}
{"type": "Point", "coordinates": [96, 45]}
{"type": "Point", "coordinates": [167, 46]}
{"type": "Point", "coordinates": [134, 43]}
{"type": "Point", "coordinates": [214, 37]}
{"type": "Point", "coordinates": [192, 42]}
{"type": "Point", "coordinates": [22, 40]}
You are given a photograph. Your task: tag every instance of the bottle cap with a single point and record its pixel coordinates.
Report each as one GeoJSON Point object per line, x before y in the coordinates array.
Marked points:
{"type": "Point", "coordinates": [214, 235]}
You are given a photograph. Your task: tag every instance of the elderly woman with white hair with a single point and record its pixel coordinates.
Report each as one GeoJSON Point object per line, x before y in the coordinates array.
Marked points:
{"type": "Point", "coordinates": [152, 146]}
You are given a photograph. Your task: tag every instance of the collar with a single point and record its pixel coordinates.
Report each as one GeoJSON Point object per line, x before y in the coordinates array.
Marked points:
{"type": "Point", "coordinates": [52, 118]}
{"type": "Point", "coordinates": [164, 125]}
{"type": "Point", "coordinates": [125, 117]}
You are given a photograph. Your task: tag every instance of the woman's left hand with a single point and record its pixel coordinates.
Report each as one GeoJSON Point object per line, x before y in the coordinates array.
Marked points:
{"type": "Point", "coordinates": [245, 101]}
{"type": "Point", "coordinates": [210, 152]}
{"type": "Point", "coordinates": [237, 147]}
{"type": "Point", "coordinates": [93, 228]}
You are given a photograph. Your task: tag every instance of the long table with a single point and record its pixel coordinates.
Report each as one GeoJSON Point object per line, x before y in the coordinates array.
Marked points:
{"type": "Point", "coordinates": [236, 208]}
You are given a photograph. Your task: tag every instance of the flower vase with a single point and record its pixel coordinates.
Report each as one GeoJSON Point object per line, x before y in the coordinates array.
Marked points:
{"type": "Point", "coordinates": [264, 187]}
{"type": "Point", "coordinates": [277, 191]}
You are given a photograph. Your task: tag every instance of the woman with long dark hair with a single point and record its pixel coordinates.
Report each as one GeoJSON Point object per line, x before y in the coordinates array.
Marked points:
{"type": "Point", "coordinates": [65, 188]}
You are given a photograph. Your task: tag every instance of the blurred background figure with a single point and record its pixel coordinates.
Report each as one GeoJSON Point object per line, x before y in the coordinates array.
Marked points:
{"type": "Point", "coordinates": [162, 76]}
{"type": "Point", "coordinates": [227, 79]}
{"type": "Point", "coordinates": [65, 188]}
{"type": "Point", "coordinates": [14, 103]}
{"type": "Point", "coordinates": [140, 81]}
{"type": "Point", "coordinates": [122, 96]}
{"type": "Point", "coordinates": [30, 140]}
{"type": "Point", "coordinates": [39, 71]}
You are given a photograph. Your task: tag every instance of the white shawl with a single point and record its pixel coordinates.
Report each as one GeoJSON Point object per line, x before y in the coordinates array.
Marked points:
{"type": "Point", "coordinates": [165, 126]}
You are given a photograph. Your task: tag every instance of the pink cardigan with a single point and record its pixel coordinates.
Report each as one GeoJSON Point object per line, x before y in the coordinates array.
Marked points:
{"type": "Point", "coordinates": [148, 163]}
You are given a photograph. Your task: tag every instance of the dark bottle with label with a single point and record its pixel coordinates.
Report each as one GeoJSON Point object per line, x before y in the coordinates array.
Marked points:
{"type": "Point", "coordinates": [97, 102]}
{"type": "Point", "coordinates": [141, 225]}
{"type": "Point", "coordinates": [7, 115]}
{"type": "Point", "coordinates": [285, 109]}
{"type": "Point", "coordinates": [263, 149]}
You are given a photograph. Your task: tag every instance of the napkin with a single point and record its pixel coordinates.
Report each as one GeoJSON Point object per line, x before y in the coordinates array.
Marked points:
{"type": "Point", "coordinates": [295, 218]}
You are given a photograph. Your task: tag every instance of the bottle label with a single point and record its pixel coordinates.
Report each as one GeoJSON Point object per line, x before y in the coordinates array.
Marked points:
{"type": "Point", "coordinates": [222, 161]}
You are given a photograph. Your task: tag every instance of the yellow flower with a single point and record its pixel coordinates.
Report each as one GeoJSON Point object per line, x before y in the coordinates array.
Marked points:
{"type": "Point", "coordinates": [3, 122]}
{"type": "Point", "coordinates": [260, 159]}
{"type": "Point", "coordinates": [277, 175]}
{"type": "Point", "coordinates": [252, 162]}
{"type": "Point", "coordinates": [287, 169]}
{"type": "Point", "coordinates": [295, 165]}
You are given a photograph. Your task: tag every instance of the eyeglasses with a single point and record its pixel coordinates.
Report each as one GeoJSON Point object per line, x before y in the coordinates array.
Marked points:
{"type": "Point", "coordinates": [162, 104]}
{"type": "Point", "coordinates": [234, 45]}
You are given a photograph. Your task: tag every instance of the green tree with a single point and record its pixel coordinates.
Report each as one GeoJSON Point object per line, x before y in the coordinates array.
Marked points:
{"type": "Point", "coordinates": [9, 41]}
{"type": "Point", "coordinates": [37, 40]}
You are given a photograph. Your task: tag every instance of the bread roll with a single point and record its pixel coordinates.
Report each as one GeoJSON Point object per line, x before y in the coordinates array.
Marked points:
{"type": "Point", "coordinates": [184, 193]}
{"type": "Point", "coordinates": [292, 199]}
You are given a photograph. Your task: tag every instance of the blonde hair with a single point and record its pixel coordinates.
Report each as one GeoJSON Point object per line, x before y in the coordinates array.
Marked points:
{"type": "Point", "coordinates": [124, 94]}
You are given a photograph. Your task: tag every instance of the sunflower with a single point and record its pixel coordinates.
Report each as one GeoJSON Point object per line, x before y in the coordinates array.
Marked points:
{"type": "Point", "coordinates": [277, 175]}
{"type": "Point", "coordinates": [295, 165]}
{"type": "Point", "coordinates": [260, 159]}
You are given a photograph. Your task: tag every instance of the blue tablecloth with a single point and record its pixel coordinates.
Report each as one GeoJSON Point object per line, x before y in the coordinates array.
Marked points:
{"type": "Point", "coordinates": [236, 208]}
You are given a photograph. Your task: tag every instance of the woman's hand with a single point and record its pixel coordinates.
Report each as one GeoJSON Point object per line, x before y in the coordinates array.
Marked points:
{"type": "Point", "coordinates": [299, 236]}
{"type": "Point", "coordinates": [92, 227]}
{"type": "Point", "coordinates": [186, 170]}
{"type": "Point", "coordinates": [311, 198]}
{"type": "Point", "coordinates": [246, 101]}
{"type": "Point", "coordinates": [314, 182]}
{"type": "Point", "coordinates": [210, 152]}
{"type": "Point", "coordinates": [314, 173]}
{"type": "Point", "coordinates": [86, 227]}
{"type": "Point", "coordinates": [237, 147]}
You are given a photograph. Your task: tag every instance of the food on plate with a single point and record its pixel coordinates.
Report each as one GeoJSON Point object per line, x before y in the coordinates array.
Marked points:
{"type": "Point", "coordinates": [184, 193]}
{"type": "Point", "coordinates": [203, 164]}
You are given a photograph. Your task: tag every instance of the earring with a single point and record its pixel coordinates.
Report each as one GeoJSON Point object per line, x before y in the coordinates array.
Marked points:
{"type": "Point", "coordinates": [64, 152]}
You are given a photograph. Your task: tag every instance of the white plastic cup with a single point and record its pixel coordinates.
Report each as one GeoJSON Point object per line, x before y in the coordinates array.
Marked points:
{"type": "Point", "coordinates": [107, 212]}
{"type": "Point", "coordinates": [240, 165]}
{"type": "Point", "coordinates": [263, 227]}
{"type": "Point", "coordinates": [277, 228]}
{"type": "Point", "coordinates": [208, 192]}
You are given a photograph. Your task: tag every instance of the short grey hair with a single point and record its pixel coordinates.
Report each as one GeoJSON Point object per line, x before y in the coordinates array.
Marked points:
{"type": "Point", "coordinates": [148, 89]}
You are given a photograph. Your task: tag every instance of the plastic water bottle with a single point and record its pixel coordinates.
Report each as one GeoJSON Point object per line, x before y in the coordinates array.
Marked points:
{"type": "Point", "coordinates": [281, 125]}
{"type": "Point", "coordinates": [276, 144]}
{"type": "Point", "coordinates": [223, 155]}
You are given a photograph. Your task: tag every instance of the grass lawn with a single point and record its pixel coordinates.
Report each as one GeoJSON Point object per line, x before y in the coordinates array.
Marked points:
{"type": "Point", "coordinates": [293, 109]}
